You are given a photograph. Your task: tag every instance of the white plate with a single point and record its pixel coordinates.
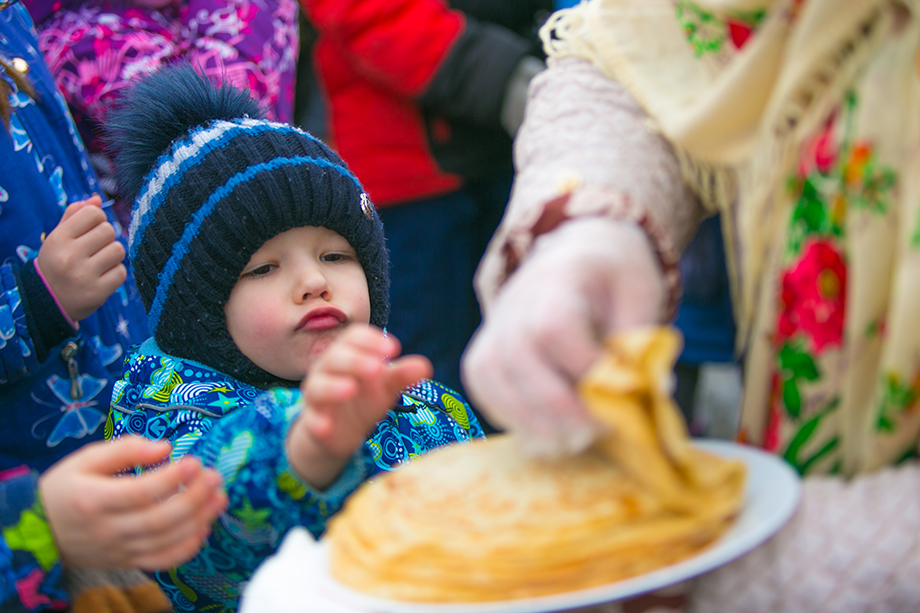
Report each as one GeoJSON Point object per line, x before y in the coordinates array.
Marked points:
{"type": "Point", "coordinates": [772, 496]}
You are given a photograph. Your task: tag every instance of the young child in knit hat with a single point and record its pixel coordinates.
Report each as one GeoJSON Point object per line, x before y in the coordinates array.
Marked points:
{"type": "Point", "coordinates": [261, 264]}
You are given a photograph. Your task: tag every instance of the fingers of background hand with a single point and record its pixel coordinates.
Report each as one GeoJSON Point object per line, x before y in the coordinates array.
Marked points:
{"type": "Point", "coordinates": [111, 279]}
{"type": "Point", "coordinates": [171, 557]}
{"type": "Point", "coordinates": [94, 200]}
{"type": "Point", "coordinates": [104, 258]}
{"type": "Point", "coordinates": [98, 238]}
{"type": "Point", "coordinates": [82, 221]}
{"type": "Point", "coordinates": [110, 457]}
{"type": "Point", "coordinates": [560, 423]}
{"type": "Point", "coordinates": [133, 494]}
{"type": "Point", "coordinates": [188, 511]}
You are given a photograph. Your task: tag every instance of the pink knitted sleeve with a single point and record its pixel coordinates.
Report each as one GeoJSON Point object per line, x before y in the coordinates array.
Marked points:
{"type": "Point", "coordinates": [585, 139]}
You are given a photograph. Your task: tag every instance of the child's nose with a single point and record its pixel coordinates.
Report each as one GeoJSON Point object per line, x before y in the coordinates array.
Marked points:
{"type": "Point", "coordinates": [311, 283]}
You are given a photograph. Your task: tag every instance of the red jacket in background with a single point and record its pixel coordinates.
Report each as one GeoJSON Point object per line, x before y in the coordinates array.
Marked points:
{"type": "Point", "coordinates": [413, 92]}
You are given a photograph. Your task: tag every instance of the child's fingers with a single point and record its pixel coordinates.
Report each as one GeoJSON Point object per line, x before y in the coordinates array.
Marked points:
{"type": "Point", "coordinates": [104, 259]}
{"type": "Point", "coordinates": [352, 361]}
{"type": "Point", "coordinates": [111, 279]}
{"type": "Point", "coordinates": [325, 388]}
{"type": "Point", "coordinates": [407, 371]}
{"type": "Point", "coordinates": [170, 521]}
{"type": "Point", "coordinates": [371, 339]}
{"type": "Point", "coordinates": [94, 200]}
{"type": "Point", "coordinates": [170, 558]}
{"type": "Point", "coordinates": [97, 238]}
{"type": "Point", "coordinates": [151, 487]}
{"type": "Point", "coordinates": [77, 222]}
{"type": "Point", "coordinates": [73, 207]}
{"type": "Point", "coordinates": [108, 458]}
{"type": "Point", "coordinates": [360, 350]}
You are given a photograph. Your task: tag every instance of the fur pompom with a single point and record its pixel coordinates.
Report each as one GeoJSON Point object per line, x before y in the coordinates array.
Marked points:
{"type": "Point", "coordinates": [158, 109]}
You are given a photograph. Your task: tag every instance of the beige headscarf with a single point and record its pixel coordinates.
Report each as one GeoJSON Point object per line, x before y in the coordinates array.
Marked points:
{"type": "Point", "coordinates": [734, 121]}
{"type": "Point", "coordinates": [738, 119]}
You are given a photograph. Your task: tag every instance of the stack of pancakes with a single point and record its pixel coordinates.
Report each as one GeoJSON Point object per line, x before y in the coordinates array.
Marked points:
{"type": "Point", "coordinates": [483, 522]}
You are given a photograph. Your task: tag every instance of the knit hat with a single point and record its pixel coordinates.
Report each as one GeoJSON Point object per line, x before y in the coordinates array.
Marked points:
{"type": "Point", "coordinates": [211, 182]}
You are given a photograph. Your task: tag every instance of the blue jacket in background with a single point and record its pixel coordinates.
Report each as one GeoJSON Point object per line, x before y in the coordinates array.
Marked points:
{"type": "Point", "coordinates": [45, 416]}
{"type": "Point", "coordinates": [241, 430]}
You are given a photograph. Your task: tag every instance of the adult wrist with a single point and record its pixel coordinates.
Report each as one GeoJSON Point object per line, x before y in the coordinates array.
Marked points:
{"type": "Point", "coordinates": [599, 202]}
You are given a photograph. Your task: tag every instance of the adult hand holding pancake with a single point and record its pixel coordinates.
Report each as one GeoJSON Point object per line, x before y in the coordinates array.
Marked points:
{"type": "Point", "coordinates": [484, 522]}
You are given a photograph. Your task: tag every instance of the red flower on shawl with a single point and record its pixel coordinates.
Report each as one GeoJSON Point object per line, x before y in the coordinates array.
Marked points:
{"type": "Point", "coordinates": [814, 296]}
{"type": "Point", "coordinates": [820, 151]}
{"type": "Point", "coordinates": [739, 32]}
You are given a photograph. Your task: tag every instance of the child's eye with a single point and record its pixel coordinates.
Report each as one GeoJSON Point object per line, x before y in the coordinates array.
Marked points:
{"type": "Point", "coordinates": [337, 256]}
{"type": "Point", "coordinates": [259, 271]}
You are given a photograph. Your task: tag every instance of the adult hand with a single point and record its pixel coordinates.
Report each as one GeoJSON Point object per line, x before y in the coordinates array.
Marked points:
{"type": "Point", "coordinates": [351, 386]}
{"type": "Point", "coordinates": [155, 521]}
{"type": "Point", "coordinates": [81, 260]}
{"type": "Point", "coordinates": [585, 280]}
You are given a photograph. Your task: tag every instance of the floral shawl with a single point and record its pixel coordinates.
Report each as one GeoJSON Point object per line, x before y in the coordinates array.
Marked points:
{"type": "Point", "coordinates": [798, 120]}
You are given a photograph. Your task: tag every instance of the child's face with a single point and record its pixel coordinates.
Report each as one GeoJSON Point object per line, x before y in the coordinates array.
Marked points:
{"type": "Point", "coordinates": [296, 294]}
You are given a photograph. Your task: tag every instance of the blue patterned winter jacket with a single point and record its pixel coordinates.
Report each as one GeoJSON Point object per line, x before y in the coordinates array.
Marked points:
{"type": "Point", "coordinates": [240, 430]}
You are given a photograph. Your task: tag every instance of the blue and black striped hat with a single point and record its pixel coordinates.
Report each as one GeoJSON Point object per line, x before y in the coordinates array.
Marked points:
{"type": "Point", "coordinates": [211, 182]}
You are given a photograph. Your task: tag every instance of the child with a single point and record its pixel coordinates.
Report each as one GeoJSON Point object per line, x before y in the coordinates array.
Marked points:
{"type": "Point", "coordinates": [261, 262]}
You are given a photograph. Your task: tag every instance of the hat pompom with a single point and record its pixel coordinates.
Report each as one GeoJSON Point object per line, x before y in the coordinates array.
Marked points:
{"type": "Point", "coordinates": [161, 107]}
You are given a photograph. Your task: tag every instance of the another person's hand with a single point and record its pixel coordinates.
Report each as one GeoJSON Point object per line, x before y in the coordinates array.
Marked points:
{"type": "Point", "coordinates": [587, 279]}
{"type": "Point", "coordinates": [81, 260]}
{"type": "Point", "coordinates": [350, 387]}
{"type": "Point", "coordinates": [155, 521]}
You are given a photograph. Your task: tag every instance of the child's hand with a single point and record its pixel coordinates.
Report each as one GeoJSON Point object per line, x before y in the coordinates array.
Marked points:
{"type": "Point", "coordinates": [351, 386]}
{"type": "Point", "coordinates": [153, 522]}
{"type": "Point", "coordinates": [81, 260]}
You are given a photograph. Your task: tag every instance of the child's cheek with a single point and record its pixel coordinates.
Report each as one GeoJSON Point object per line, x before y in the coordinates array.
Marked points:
{"type": "Point", "coordinates": [266, 318]}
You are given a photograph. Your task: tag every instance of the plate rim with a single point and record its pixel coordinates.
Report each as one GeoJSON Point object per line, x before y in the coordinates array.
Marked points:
{"type": "Point", "coordinates": [727, 548]}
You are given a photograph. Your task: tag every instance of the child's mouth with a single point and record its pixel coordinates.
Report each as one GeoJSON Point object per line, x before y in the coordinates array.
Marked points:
{"type": "Point", "coordinates": [322, 319]}
{"type": "Point", "coordinates": [322, 322]}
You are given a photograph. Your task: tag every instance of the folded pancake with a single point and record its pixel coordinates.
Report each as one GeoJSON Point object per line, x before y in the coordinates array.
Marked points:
{"type": "Point", "coordinates": [483, 522]}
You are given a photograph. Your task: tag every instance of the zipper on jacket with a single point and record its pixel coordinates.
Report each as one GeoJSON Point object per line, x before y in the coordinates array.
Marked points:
{"type": "Point", "coordinates": [73, 369]}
